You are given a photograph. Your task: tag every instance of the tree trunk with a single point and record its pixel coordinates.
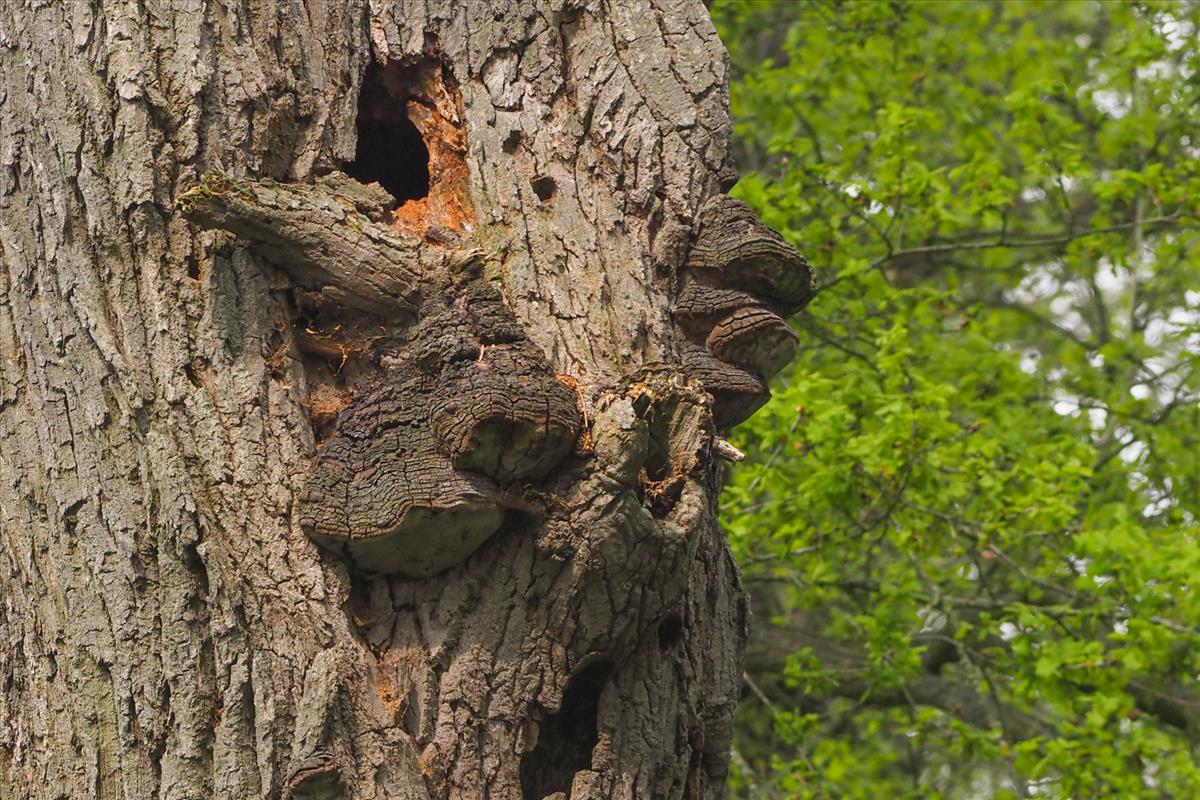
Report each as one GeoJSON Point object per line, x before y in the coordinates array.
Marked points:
{"type": "Point", "coordinates": [488, 398]}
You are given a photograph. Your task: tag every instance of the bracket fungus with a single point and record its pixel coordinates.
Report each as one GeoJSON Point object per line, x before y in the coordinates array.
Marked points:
{"type": "Point", "coordinates": [407, 483]}
{"type": "Point", "coordinates": [733, 248]}
{"type": "Point", "coordinates": [740, 281]}
{"type": "Point", "coordinates": [505, 415]}
{"type": "Point", "coordinates": [380, 491]}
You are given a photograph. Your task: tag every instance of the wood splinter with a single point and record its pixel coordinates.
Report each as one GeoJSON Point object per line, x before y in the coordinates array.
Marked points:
{"type": "Point", "coordinates": [723, 449]}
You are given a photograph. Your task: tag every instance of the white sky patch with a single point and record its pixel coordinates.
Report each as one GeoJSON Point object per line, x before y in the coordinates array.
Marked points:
{"type": "Point", "coordinates": [1115, 104]}
{"type": "Point", "coordinates": [1132, 450]}
{"type": "Point", "coordinates": [1159, 505]}
{"type": "Point", "coordinates": [1038, 285]}
{"type": "Point", "coordinates": [1179, 33]}
{"type": "Point", "coordinates": [1155, 70]}
{"type": "Point", "coordinates": [1155, 331]}
{"type": "Point", "coordinates": [1109, 277]}
{"type": "Point", "coordinates": [1033, 194]}
{"type": "Point", "coordinates": [1184, 318]}
{"type": "Point", "coordinates": [1029, 361]}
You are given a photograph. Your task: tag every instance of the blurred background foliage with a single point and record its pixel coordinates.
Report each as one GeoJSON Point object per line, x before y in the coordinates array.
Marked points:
{"type": "Point", "coordinates": [968, 521]}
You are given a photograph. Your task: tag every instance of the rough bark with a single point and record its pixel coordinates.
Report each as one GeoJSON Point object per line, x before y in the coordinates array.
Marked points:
{"type": "Point", "coordinates": [481, 402]}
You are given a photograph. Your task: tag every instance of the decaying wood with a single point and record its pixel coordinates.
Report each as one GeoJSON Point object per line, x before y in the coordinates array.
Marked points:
{"type": "Point", "coordinates": [502, 379]}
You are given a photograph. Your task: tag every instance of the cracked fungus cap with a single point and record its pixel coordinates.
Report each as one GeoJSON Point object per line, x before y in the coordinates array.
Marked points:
{"type": "Point", "coordinates": [426, 540]}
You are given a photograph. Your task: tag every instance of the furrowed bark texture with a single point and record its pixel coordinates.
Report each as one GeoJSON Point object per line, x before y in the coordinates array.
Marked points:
{"type": "Point", "coordinates": [306, 495]}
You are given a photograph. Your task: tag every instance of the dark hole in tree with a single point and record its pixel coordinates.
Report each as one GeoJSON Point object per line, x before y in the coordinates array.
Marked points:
{"type": "Point", "coordinates": [670, 631]}
{"type": "Point", "coordinates": [543, 188]}
{"type": "Point", "coordinates": [566, 737]}
{"type": "Point", "coordinates": [319, 787]}
{"type": "Point", "coordinates": [390, 148]}
{"type": "Point", "coordinates": [192, 376]}
{"type": "Point", "coordinates": [658, 461]}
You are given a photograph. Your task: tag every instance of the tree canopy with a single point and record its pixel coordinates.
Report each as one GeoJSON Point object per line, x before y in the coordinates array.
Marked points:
{"type": "Point", "coordinates": [969, 516]}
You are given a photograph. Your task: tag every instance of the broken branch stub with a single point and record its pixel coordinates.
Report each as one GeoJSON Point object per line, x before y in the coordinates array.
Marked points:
{"type": "Point", "coordinates": [321, 235]}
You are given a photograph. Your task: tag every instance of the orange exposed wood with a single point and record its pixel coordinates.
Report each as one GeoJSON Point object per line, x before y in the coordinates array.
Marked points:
{"type": "Point", "coordinates": [433, 104]}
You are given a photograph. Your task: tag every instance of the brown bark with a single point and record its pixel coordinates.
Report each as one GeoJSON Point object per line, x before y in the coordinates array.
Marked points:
{"type": "Point", "coordinates": [175, 378]}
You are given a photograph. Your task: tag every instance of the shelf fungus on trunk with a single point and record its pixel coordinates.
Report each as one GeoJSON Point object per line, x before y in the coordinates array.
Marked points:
{"type": "Point", "coordinates": [414, 475]}
{"type": "Point", "coordinates": [381, 492]}
{"type": "Point", "coordinates": [754, 338]}
{"type": "Point", "coordinates": [732, 247]}
{"type": "Point", "coordinates": [505, 415]}
{"type": "Point", "coordinates": [498, 408]}
{"type": "Point", "coordinates": [740, 281]}
{"type": "Point", "coordinates": [408, 482]}
{"type": "Point", "coordinates": [736, 393]}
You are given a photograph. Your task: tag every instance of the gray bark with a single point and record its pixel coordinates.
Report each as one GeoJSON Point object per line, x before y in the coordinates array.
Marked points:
{"type": "Point", "coordinates": [168, 628]}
